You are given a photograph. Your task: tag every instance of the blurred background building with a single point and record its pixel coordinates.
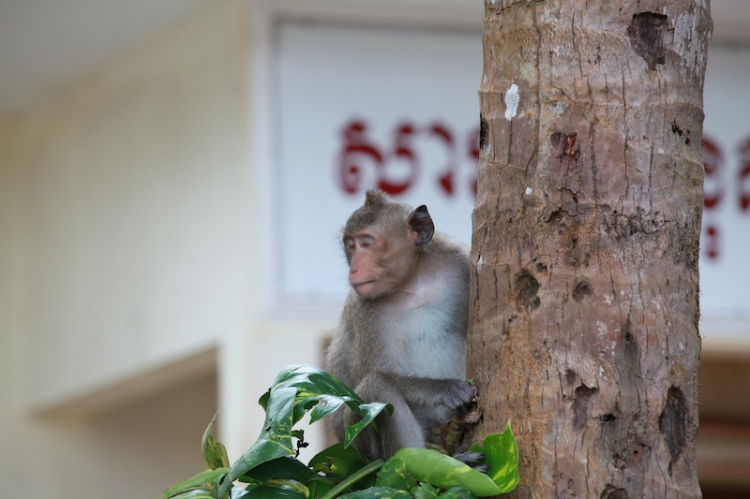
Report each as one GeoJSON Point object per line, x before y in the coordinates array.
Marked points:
{"type": "Point", "coordinates": [173, 177]}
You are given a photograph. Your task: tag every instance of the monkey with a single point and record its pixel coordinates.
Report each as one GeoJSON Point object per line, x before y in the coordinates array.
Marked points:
{"type": "Point", "coordinates": [402, 334]}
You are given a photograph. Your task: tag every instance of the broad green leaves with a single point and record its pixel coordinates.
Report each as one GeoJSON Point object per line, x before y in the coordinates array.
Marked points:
{"type": "Point", "coordinates": [321, 392]}
{"type": "Point", "coordinates": [429, 466]}
{"type": "Point", "coordinates": [278, 488]}
{"type": "Point", "coordinates": [378, 493]}
{"type": "Point", "coordinates": [338, 462]}
{"type": "Point", "coordinates": [296, 391]}
{"type": "Point", "coordinates": [214, 453]}
{"type": "Point", "coordinates": [275, 440]}
{"type": "Point", "coordinates": [269, 468]}
{"type": "Point", "coordinates": [199, 483]}
{"type": "Point", "coordinates": [501, 455]}
{"type": "Point", "coordinates": [395, 475]}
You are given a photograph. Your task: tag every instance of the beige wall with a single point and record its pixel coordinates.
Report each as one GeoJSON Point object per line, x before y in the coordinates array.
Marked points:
{"type": "Point", "coordinates": [125, 264]}
{"type": "Point", "coordinates": [128, 268]}
{"type": "Point", "coordinates": [137, 209]}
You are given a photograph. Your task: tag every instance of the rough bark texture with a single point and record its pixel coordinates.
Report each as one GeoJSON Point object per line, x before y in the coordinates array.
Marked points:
{"type": "Point", "coordinates": [585, 244]}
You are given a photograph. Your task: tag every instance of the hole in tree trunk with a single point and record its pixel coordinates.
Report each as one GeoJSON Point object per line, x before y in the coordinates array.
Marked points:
{"type": "Point", "coordinates": [646, 33]}
{"type": "Point", "coordinates": [581, 405]}
{"type": "Point", "coordinates": [582, 290]}
{"type": "Point", "coordinates": [483, 132]}
{"type": "Point", "coordinates": [612, 492]}
{"type": "Point", "coordinates": [607, 418]}
{"type": "Point", "coordinates": [673, 422]}
{"type": "Point", "coordinates": [526, 292]}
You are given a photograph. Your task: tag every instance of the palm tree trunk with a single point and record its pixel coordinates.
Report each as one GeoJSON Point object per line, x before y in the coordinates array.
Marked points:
{"type": "Point", "coordinates": [584, 315]}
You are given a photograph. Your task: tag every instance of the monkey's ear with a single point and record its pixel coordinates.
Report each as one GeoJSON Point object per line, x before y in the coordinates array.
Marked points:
{"type": "Point", "coordinates": [421, 227]}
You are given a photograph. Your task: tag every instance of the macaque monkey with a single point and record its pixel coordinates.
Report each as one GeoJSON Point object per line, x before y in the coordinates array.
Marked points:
{"type": "Point", "coordinates": [402, 334]}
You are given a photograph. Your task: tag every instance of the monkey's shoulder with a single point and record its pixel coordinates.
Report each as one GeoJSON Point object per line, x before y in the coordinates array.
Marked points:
{"type": "Point", "coordinates": [443, 244]}
{"type": "Point", "coordinates": [446, 251]}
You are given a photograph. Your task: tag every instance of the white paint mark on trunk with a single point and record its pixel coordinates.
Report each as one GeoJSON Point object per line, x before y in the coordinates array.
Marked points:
{"type": "Point", "coordinates": [602, 329]}
{"type": "Point", "coordinates": [511, 102]}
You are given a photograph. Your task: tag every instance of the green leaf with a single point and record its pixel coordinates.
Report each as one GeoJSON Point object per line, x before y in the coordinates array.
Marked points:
{"type": "Point", "coordinates": [369, 413]}
{"type": "Point", "coordinates": [378, 493]}
{"type": "Point", "coordinates": [296, 390]}
{"type": "Point", "coordinates": [214, 453]}
{"type": "Point", "coordinates": [338, 462]}
{"type": "Point", "coordinates": [328, 404]}
{"type": "Point", "coordinates": [322, 393]}
{"type": "Point", "coordinates": [282, 468]}
{"type": "Point", "coordinates": [201, 493]}
{"type": "Point", "coordinates": [443, 471]}
{"type": "Point", "coordinates": [355, 480]}
{"type": "Point", "coordinates": [393, 474]}
{"type": "Point", "coordinates": [457, 493]}
{"type": "Point", "coordinates": [197, 481]}
{"type": "Point", "coordinates": [275, 440]}
{"type": "Point", "coordinates": [426, 491]}
{"type": "Point", "coordinates": [501, 455]}
{"type": "Point", "coordinates": [320, 486]}
{"type": "Point", "coordinates": [314, 387]}
{"type": "Point", "coordinates": [284, 489]}
{"type": "Point", "coordinates": [238, 492]}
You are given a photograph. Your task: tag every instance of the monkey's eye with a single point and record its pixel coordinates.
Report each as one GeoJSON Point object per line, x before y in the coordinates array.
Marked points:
{"type": "Point", "coordinates": [366, 241]}
{"type": "Point", "coordinates": [349, 244]}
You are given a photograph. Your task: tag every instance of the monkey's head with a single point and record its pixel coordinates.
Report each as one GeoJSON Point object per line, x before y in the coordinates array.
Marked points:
{"type": "Point", "coordinates": [382, 241]}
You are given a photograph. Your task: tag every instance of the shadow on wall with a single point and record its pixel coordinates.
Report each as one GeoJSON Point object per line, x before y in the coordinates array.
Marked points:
{"type": "Point", "coordinates": [137, 447]}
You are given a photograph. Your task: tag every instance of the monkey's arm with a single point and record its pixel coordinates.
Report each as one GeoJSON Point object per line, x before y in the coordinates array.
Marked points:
{"type": "Point", "coordinates": [339, 361]}
{"type": "Point", "coordinates": [452, 393]}
{"type": "Point", "coordinates": [338, 365]}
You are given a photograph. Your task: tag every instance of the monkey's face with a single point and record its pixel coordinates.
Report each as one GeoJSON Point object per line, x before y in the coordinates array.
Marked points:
{"type": "Point", "coordinates": [377, 265]}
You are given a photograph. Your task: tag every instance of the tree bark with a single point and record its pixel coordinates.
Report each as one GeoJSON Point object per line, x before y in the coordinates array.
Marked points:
{"type": "Point", "coordinates": [584, 310]}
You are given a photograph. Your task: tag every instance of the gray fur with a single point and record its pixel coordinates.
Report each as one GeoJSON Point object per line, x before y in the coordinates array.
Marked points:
{"type": "Point", "coordinates": [406, 347]}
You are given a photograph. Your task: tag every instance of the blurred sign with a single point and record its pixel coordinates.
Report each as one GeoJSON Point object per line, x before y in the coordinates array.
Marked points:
{"type": "Point", "coordinates": [725, 242]}
{"type": "Point", "coordinates": [360, 108]}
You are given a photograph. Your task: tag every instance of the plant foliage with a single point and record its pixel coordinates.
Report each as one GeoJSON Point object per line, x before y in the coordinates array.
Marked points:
{"type": "Point", "coordinates": [270, 468]}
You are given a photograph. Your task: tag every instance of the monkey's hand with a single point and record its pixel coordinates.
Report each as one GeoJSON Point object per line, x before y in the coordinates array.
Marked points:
{"type": "Point", "coordinates": [458, 395]}
{"type": "Point", "coordinates": [455, 400]}
{"type": "Point", "coordinates": [450, 394]}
